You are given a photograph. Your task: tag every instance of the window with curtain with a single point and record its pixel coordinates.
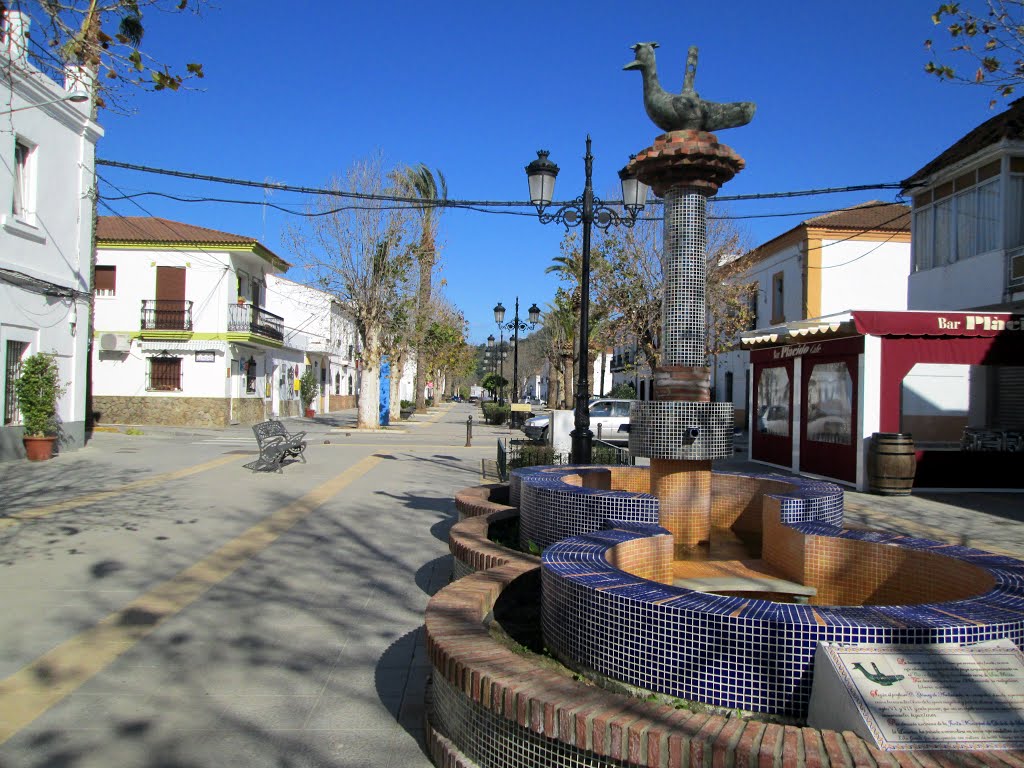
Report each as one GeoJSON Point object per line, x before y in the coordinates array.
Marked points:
{"type": "Point", "coordinates": [1015, 209]}
{"type": "Point", "coordinates": [922, 239]}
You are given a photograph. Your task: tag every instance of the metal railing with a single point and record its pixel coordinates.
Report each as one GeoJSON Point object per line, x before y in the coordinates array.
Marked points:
{"type": "Point", "coordinates": [515, 452]}
{"type": "Point", "coordinates": [252, 319]}
{"type": "Point", "coordinates": [166, 315]}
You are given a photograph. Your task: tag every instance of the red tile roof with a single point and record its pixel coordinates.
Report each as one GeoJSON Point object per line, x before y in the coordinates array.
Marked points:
{"type": "Point", "coordinates": [873, 215]}
{"type": "Point", "coordinates": [151, 229]}
{"type": "Point", "coordinates": [1005, 125]}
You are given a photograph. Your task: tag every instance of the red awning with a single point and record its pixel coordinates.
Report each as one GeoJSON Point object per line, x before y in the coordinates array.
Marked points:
{"type": "Point", "coordinates": [936, 323]}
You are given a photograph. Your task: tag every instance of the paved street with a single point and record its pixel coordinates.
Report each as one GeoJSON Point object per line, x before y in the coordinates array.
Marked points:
{"type": "Point", "coordinates": [166, 607]}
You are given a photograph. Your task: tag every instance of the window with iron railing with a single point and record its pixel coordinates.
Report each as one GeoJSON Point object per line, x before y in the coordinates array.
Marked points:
{"type": "Point", "coordinates": [165, 374]}
{"type": "Point", "coordinates": [15, 352]}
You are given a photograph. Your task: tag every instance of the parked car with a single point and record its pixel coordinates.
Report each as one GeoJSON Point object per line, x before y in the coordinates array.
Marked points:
{"type": "Point", "coordinates": [606, 416]}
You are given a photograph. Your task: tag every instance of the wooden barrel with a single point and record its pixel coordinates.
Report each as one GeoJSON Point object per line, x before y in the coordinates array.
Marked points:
{"type": "Point", "coordinates": [891, 463]}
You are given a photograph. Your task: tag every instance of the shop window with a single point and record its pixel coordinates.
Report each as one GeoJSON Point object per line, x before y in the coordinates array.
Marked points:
{"type": "Point", "coordinates": [337, 383]}
{"type": "Point", "coordinates": [830, 404]}
{"type": "Point", "coordinates": [778, 299]}
{"type": "Point", "coordinates": [106, 281]}
{"type": "Point", "coordinates": [773, 402]}
{"type": "Point", "coordinates": [165, 374]}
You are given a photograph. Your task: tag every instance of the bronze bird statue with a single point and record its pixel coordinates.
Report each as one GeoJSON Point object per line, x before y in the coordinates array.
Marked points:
{"type": "Point", "coordinates": [685, 110]}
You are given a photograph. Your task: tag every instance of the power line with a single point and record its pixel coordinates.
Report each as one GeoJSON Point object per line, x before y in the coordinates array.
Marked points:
{"type": "Point", "coordinates": [451, 203]}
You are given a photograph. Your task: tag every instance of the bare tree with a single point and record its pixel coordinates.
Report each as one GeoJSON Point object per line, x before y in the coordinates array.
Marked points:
{"type": "Point", "coordinates": [362, 255]}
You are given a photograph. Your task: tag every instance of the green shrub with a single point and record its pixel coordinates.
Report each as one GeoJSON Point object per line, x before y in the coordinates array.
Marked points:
{"type": "Point", "coordinates": [407, 404]}
{"type": "Point", "coordinates": [623, 392]}
{"type": "Point", "coordinates": [430, 401]}
{"type": "Point", "coordinates": [309, 388]}
{"type": "Point", "coordinates": [38, 388]}
{"type": "Point", "coordinates": [496, 414]}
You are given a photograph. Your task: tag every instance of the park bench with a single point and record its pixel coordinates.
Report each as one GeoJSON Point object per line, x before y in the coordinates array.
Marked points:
{"type": "Point", "coordinates": [276, 444]}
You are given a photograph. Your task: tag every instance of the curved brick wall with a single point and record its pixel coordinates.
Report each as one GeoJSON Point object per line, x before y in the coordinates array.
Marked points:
{"type": "Point", "coordinates": [493, 708]}
{"type": "Point", "coordinates": [482, 500]}
{"type": "Point", "coordinates": [473, 551]}
{"type": "Point", "coordinates": [742, 652]}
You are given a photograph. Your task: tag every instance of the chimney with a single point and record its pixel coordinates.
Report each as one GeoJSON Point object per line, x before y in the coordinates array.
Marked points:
{"type": "Point", "coordinates": [15, 36]}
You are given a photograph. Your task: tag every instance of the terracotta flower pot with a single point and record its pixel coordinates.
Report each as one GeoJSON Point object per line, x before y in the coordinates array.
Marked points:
{"type": "Point", "coordinates": [38, 448]}
{"type": "Point", "coordinates": [310, 413]}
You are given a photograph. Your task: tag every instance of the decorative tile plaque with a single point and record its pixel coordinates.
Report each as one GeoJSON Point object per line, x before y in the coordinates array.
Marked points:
{"type": "Point", "coordinates": [922, 697]}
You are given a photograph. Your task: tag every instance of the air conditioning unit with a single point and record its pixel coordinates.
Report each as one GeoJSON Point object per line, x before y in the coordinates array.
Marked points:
{"type": "Point", "coordinates": [115, 342]}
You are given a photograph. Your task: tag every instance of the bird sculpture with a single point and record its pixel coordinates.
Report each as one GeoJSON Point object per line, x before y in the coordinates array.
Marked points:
{"type": "Point", "coordinates": [685, 110]}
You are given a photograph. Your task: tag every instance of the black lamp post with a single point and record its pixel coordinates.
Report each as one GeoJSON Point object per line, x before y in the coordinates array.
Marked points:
{"type": "Point", "coordinates": [587, 210]}
{"type": "Point", "coordinates": [516, 325]}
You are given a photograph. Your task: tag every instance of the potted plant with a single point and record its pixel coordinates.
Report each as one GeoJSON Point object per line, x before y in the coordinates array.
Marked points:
{"type": "Point", "coordinates": [309, 388]}
{"type": "Point", "coordinates": [38, 388]}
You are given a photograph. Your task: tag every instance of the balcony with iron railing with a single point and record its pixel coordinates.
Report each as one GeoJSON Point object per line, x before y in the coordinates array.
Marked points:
{"type": "Point", "coordinates": [166, 315]}
{"type": "Point", "coordinates": [249, 318]}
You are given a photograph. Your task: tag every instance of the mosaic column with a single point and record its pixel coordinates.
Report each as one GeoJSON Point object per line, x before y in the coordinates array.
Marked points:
{"type": "Point", "coordinates": [681, 431]}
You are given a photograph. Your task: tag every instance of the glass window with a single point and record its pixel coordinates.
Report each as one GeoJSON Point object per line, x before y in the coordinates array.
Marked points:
{"type": "Point", "coordinates": [22, 202]}
{"type": "Point", "coordinates": [600, 409]}
{"type": "Point", "coordinates": [966, 224]}
{"type": "Point", "coordinates": [922, 239]}
{"type": "Point", "coordinates": [773, 402]}
{"type": "Point", "coordinates": [620, 409]}
{"type": "Point", "coordinates": [250, 376]}
{"type": "Point", "coordinates": [988, 217]}
{"type": "Point", "coordinates": [1016, 211]}
{"type": "Point", "coordinates": [943, 242]}
{"type": "Point", "coordinates": [830, 404]}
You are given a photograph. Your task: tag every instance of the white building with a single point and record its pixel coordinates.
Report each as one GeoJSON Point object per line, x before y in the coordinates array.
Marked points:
{"type": "Point", "coordinates": [968, 226]}
{"type": "Point", "coordinates": [854, 258]}
{"type": "Point", "coordinates": [183, 336]}
{"type": "Point", "coordinates": [47, 174]}
{"type": "Point", "coordinates": [319, 327]}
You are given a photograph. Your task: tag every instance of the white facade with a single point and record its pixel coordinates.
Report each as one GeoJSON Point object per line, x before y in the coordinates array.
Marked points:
{"type": "Point", "coordinates": [323, 333]}
{"type": "Point", "coordinates": [214, 355]}
{"type": "Point", "coordinates": [47, 151]}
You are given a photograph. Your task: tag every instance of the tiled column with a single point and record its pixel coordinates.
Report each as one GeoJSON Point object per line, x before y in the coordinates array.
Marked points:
{"type": "Point", "coordinates": [682, 431]}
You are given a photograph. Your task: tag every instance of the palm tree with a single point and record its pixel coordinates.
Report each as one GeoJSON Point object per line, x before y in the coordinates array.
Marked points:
{"type": "Point", "coordinates": [430, 187]}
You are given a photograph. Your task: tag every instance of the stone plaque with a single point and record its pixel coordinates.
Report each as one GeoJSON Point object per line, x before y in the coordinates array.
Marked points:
{"type": "Point", "coordinates": [920, 697]}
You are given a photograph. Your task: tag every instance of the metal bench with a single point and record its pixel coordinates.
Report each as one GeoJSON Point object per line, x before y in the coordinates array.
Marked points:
{"type": "Point", "coordinates": [276, 444]}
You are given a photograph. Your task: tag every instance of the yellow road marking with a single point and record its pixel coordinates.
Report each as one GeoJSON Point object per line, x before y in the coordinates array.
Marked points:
{"type": "Point", "coordinates": [32, 690]}
{"type": "Point", "coordinates": [92, 498]}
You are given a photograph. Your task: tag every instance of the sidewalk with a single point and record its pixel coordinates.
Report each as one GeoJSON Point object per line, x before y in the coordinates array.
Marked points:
{"type": "Point", "coordinates": [164, 606]}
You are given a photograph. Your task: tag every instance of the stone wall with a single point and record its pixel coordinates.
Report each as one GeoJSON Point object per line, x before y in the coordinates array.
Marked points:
{"type": "Point", "coordinates": [289, 408]}
{"type": "Point", "coordinates": [342, 402]}
{"type": "Point", "coordinates": [172, 411]}
{"type": "Point", "coordinates": [250, 410]}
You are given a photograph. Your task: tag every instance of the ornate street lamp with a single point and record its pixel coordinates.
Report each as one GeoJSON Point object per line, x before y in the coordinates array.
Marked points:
{"type": "Point", "coordinates": [587, 210]}
{"type": "Point", "coordinates": [516, 325]}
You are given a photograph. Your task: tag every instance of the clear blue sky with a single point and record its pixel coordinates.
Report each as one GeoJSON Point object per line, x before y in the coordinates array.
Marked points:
{"type": "Point", "coordinates": [295, 91]}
